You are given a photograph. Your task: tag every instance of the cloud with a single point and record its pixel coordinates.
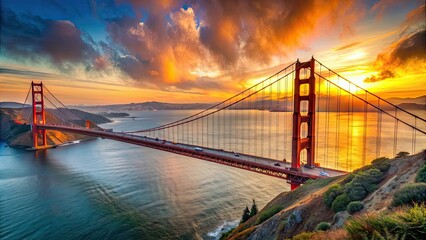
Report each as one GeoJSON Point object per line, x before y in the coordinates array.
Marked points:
{"type": "Point", "coordinates": [260, 30]}
{"type": "Point", "coordinates": [407, 54]}
{"type": "Point", "coordinates": [384, 74]}
{"type": "Point", "coordinates": [381, 6]}
{"type": "Point", "coordinates": [32, 37]}
{"type": "Point", "coordinates": [347, 46]}
{"type": "Point", "coordinates": [160, 53]}
{"type": "Point", "coordinates": [166, 44]}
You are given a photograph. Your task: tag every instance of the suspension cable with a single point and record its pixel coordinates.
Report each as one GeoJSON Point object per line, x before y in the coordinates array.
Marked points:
{"type": "Point", "coordinates": [23, 105]}
{"type": "Point", "coordinates": [218, 104]}
{"type": "Point", "coordinates": [63, 104]}
{"type": "Point", "coordinates": [381, 99]}
{"type": "Point", "coordinates": [377, 108]}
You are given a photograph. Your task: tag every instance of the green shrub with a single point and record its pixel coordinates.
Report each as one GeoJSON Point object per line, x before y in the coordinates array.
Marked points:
{"type": "Point", "coordinates": [355, 191]}
{"type": "Point", "coordinates": [370, 226]}
{"type": "Point", "coordinates": [410, 194]}
{"type": "Point", "coordinates": [421, 174]}
{"type": "Point", "coordinates": [363, 169]}
{"type": "Point", "coordinates": [381, 163]}
{"type": "Point", "coordinates": [340, 203]}
{"type": "Point", "coordinates": [363, 183]}
{"type": "Point", "coordinates": [348, 178]}
{"type": "Point", "coordinates": [331, 194]}
{"type": "Point", "coordinates": [403, 224]}
{"type": "Point", "coordinates": [354, 207]}
{"type": "Point", "coordinates": [415, 221]}
{"type": "Point", "coordinates": [369, 179]}
{"type": "Point", "coordinates": [268, 213]}
{"type": "Point", "coordinates": [402, 154]}
{"type": "Point", "coordinates": [383, 167]}
{"type": "Point", "coordinates": [322, 226]}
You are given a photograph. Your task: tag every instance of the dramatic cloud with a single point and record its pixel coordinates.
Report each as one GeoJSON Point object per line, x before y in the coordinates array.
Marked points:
{"type": "Point", "coordinates": [182, 47]}
{"type": "Point", "coordinates": [32, 37]}
{"type": "Point", "coordinates": [406, 54]}
{"type": "Point", "coordinates": [160, 53]}
{"type": "Point", "coordinates": [262, 29]}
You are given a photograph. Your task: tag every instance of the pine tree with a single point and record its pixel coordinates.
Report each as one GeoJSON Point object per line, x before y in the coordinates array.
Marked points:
{"type": "Point", "coordinates": [253, 209]}
{"type": "Point", "coordinates": [246, 215]}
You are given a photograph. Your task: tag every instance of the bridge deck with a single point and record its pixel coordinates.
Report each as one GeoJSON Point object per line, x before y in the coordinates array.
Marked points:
{"type": "Point", "coordinates": [252, 163]}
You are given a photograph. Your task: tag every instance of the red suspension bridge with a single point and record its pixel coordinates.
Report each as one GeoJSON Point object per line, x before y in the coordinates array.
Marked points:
{"type": "Point", "coordinates": [304, 122]}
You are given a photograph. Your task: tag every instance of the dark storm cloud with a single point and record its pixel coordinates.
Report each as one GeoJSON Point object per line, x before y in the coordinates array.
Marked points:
{"type": "Point", "coordinates": [408, 52]}
{"type": "Point", "coordinates": [409, 49]}
{"type": "Point", "coordinates": [413, 47]}
{"type": "Point", "coordinates": [28, 36]}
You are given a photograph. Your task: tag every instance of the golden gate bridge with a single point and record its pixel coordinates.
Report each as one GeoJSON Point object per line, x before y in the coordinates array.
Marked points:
{"type": "Point", "coordinates": [304, 122]}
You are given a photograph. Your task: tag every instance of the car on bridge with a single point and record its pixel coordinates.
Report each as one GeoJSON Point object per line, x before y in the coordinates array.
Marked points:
{"type": "Point", "coordinates": [198, 149]}
{"type": "Point", "coordinates": [277, 164]}
{"type": "Point", "coordinates": [323, 173]}
{"type": "Point", "coordinates": [236, 154]}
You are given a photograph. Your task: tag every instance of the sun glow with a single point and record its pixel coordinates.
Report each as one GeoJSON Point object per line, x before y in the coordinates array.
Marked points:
{"type": "Point", "coordinates": [356, 55]}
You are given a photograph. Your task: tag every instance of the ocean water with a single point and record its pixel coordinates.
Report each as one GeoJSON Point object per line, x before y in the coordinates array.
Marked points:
{"type": "Point", "coordinates": [101, 189]}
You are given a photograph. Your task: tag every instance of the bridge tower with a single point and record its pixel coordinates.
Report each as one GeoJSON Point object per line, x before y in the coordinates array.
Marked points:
{"type": "Point", "coordinates": [299, 143]}
{"type": "Point", "coordinates": [39, 116]}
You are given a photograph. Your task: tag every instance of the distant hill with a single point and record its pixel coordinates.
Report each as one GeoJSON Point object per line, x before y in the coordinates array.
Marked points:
{"type": "Point", "coordinates": [412, 106]}
{"type": "Point", "coordinates": [417, 103]}
{"type": "Point", "coordinates": [145, 106]}
{"type": "Point", "coordinates": [78, 116]}
{"type": "Point", "coordinates": [12, 105]}
{"type": "Point", "coordinates": [284, 105]}
{"type": "Point", "coordinates": [417, 100]}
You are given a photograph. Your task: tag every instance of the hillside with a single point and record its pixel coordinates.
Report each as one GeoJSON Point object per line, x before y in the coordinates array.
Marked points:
{"type": "Point", "coordinates": [20, 136]}
{"type": "Point", "coordinates": [145, 106]}
{"type": "Point", "coordinates": [346, 103]}
{"type": "Point", "coordinates": [418, 100]}
{"type": "Point", "coordinates": [12, 105]}
{"type": "Point", "coordinates": [303, 209]}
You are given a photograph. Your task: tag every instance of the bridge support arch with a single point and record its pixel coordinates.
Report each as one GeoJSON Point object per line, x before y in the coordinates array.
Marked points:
{"type": "Point", "coordinates": [300, 118]}
{"type": "Point", "coordinates": [39, 116]}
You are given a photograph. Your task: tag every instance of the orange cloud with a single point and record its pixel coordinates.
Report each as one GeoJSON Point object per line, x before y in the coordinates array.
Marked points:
{"type": "Point", "coordinates": [172, 43]}
{"type": "Point", "coordinates": [408, 54]}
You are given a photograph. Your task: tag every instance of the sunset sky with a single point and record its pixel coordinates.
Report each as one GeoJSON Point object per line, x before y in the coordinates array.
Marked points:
{"type": "Point", "coordinates": [122, 51]}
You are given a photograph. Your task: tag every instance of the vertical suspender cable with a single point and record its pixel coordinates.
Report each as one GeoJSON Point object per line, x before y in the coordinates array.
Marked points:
{"type": "Point", "coordinates": [262, 120]}
{"type": "Point", "coordinates": [269, 120]}
{"type": "Point", "coordinates": [318, 111]}
{"type": "Point", "coordinates": [379, 130]}
{"type": "Point", "coordinates": [413, 141]}
{"type": "Point", "coordinates": [395, 133]}
{"type": "Point", "coordinates": [277, 119]}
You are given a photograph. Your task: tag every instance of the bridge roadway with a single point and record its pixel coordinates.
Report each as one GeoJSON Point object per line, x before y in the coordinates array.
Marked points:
{"type": "Point", "coordinates": [248, 162]}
